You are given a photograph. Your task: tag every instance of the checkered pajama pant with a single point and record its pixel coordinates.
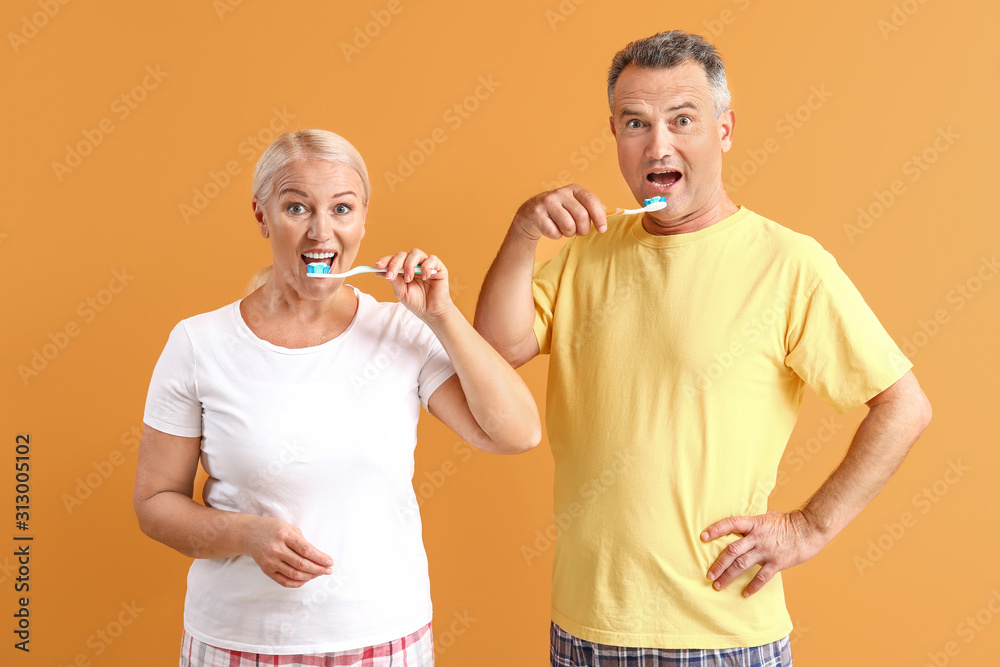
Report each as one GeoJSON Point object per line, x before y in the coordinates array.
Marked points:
{"type": "Point", "coordinates": [569, 651]}
{"type": "Point", "coordinates": [413, 650]}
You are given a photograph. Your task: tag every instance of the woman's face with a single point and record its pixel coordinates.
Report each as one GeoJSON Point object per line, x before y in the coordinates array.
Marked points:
{"type": "Point", "coordinates": [314, 214]}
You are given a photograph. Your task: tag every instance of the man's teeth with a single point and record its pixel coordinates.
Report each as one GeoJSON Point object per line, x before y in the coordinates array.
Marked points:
{"type": "Point", "coordinates": [319, 255]}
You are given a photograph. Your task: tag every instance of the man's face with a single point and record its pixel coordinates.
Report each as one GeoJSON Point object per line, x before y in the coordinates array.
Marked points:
{"type": "Point", "coordinates": [669, 141]}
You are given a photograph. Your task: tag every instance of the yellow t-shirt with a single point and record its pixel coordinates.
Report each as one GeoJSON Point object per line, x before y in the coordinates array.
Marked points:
{"type": "Point", "coordinates": [677, 371]}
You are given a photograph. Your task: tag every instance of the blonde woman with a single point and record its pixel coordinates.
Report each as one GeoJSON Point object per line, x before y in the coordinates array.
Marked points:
{"type": "Point", "coordinates": [309, 544]}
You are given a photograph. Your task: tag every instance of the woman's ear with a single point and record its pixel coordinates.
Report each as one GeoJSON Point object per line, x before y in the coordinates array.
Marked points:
{"type": "Point", "coordinates": [258, 214]}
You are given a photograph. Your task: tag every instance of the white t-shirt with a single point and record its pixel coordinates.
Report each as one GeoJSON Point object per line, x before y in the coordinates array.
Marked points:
{"type": "Point", "coordinates": [323, 438]}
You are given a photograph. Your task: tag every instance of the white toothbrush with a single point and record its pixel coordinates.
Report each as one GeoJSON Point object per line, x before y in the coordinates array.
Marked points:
{"type": "Point", "coordinates": [353, 272]}
{"type": "Point", "coordinates": [651, 204]}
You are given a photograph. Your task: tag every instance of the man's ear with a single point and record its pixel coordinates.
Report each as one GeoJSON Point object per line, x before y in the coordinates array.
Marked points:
{"type": "Point", "coordinates": [258, 214]}
{"type": "Point", "coordinates": [614, 130]}
{"type": "Point", "coordinates": [727, 124]}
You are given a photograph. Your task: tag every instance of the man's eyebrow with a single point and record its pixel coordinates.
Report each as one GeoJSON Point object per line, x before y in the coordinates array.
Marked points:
{"type": "Point", "coordinates": [686, 104]}
{"type": "Point", "coordinates": [629, 111]}
{"type": "Point", "coordinates": [634, 111]}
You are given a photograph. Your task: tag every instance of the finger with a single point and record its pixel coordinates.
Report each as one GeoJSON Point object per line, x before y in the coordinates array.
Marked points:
{"type": "Point", "coordinates": [596, 210]}
{"type": "Point", "coordinates": [301, 569]}
{"type": "Point", "coordinates": [413, 258]}
{"type": "Point", "coordinates": [285, 581]}
{"type": "Point", "coordinates": [764, 575]}
{"type": "Point", "coordinates": [558, 216]}
{"type": "Point", "coordinates": [303, 549]}
{"type": "Point", "coordinates": [549, 229]}
{"type": "Point", "coordinates": [287, 575]}
{"type": "Point", "coordinates": [432, 267]}
{"type": "Point", "coordinates": [729, 555]}
{"type": "Point", "coordinates": [307, 558]}
{"type": "Point", "coordinates": [581, 218]}
{"type": "Point", "coordinates": [395, 264]}
{"type": "Point", "coordinates": [380, 264]}
{"type": "Point", "coordinates": [740, 564]}
{"type": "Point", "coordinates": [729, 525]}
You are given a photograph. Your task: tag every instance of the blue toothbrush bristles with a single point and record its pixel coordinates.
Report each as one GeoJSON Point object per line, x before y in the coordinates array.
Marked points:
{"type": "Point", "coordinates": [653, 200]}
{"type": "Point", "coordinates": [317, 267]}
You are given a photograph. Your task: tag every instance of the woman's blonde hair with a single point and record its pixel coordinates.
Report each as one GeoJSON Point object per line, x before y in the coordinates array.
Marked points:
{"type": "Point", "coordinates": [302, 145]}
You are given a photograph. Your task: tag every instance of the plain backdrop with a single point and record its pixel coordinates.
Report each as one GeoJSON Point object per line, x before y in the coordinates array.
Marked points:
{"type": "Point", "coordinates": [131, 131]}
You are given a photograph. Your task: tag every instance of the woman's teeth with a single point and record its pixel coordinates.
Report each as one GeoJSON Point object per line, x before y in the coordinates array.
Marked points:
{"type": "Point", "coordinates": [317, 267]}
{"type": "Point", "coordinates": [319, 258]}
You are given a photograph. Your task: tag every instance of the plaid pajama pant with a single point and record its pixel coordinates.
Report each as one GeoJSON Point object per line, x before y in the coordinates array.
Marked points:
{"type": "Point", "coordinates": [568, 651]}
{"type": "Point", "coordinates": [413, 650]}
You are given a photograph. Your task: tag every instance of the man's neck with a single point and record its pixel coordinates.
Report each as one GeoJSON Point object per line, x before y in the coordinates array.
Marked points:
{"type": "Point", "coordinates": [705, 217]}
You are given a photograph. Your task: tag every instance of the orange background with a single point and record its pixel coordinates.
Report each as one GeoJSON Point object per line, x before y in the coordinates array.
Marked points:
{"type": "Point", "coordinates": [885, 81]}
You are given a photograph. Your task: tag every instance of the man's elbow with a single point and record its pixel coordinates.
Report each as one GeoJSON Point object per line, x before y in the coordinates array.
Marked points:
{"type": "Point", "coordinates": [923, 412]}
{"type": "Point", "coordinates": [917, 413]}
{"type": "Point", "coordinates": [515, 353]}
{"type": "Point", "coordinates": [534, 437]}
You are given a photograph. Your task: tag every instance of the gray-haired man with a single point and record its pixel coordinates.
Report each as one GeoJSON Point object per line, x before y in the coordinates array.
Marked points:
{"type": "Point", "coordinates": [681, 341]}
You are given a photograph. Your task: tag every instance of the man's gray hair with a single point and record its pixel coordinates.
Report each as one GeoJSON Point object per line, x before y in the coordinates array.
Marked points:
{"type": "Point", "coordinates": [670, 49]}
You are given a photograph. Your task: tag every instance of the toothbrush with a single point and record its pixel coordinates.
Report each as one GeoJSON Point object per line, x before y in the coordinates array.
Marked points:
{"type": "Point", "coordinates": [651, 204]}
{"type": "Point", "coordinates": [321, 270]}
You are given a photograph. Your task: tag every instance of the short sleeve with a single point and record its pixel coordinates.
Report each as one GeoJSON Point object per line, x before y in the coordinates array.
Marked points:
{"type": "Point", "coordinates": [837, 345]}
{"type": "Point", "coordinates": [544, 289]}
{"type": "Point", "coordinates": [437, 365]}
{"type": "Point", "coordinates": [172, 403]}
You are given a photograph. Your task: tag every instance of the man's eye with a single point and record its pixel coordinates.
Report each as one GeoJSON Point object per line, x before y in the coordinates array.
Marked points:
{"type": "Point", "coordinates": [634, 124]}
{"type": "Point", "coordinates": [342, 209]}
{"type": "Point", "coordinates": [296, 208]}
{"type": "Point", "coordinates": [684, 120]}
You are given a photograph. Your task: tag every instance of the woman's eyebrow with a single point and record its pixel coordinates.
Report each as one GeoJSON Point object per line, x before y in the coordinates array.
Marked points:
{"type": "Point", "coordinates": [305, 194]}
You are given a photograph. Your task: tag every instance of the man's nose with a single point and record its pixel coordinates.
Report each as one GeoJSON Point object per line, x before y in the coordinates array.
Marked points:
{"type": "Point", "coordinates": [661, 143]}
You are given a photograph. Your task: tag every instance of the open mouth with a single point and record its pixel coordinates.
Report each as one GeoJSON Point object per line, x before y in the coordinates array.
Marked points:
{"type": "Point", "coordinates": [663, 180]}
{"type": "Point", "coordinates": [324, 258]}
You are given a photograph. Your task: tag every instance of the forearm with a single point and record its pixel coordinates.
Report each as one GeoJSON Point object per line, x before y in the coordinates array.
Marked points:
{"type": "Point", "coordinates": [879, 446]}
{"type": "Point", "coordinates": [498, 399]}
{"type": "Point", "coordinates": [190, 528]}
{"type": "Point", "coordinates": [505, 313]}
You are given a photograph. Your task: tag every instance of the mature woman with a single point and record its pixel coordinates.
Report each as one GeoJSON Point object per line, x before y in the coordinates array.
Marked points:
{"type": "Point", "coordinates": [301, 400]}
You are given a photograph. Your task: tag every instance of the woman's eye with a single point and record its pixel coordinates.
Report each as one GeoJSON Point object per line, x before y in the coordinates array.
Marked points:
{"type": "Point", "coordinates": [342, 209]}
{"type": "Point", "coordinates": [634, 124]}
{"type": "Point", "coordinates": [296, 208]}
{"type": "Point", "coordinates": [684, 121]}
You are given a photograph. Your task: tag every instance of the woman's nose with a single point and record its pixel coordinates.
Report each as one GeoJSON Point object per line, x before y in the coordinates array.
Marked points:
{"type": "Point", "coordinates": [320, 226]}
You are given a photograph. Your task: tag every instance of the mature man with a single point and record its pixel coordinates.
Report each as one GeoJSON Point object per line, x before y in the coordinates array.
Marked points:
{"type": "Point", "coordinates": [680, 342]}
